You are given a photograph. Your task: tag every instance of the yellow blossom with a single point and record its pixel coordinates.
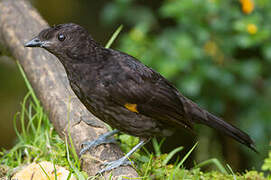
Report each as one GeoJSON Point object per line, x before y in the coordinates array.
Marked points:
{"type": "Point", "coordinates": [252, 29]}
{"type": "Point", "coordinates": [247, 6]}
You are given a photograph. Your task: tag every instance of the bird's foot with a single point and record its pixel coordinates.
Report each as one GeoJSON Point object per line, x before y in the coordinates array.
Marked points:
{"type": "Point", "coordinates": [114, 164]}
{"type": "Point", "coordinates": [103, 139]}
{"type": "Point", "coordinates": [122, 161]}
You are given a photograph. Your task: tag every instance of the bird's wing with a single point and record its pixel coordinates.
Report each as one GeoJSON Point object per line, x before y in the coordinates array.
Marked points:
{"type": "Point", "coordinates": [142, 90]}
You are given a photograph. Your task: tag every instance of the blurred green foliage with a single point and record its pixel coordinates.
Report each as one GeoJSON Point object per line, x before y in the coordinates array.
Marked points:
{"type": "Point", "coordinates": [267, 163]}
{"type": "Point", "coordinates": [216, 52]}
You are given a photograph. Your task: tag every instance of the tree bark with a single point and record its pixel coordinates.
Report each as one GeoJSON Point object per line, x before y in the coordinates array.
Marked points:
{"type": "Point", "coordinates": [20, 22]}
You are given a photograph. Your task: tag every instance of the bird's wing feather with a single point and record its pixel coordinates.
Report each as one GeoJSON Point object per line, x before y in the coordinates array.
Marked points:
{"type": "Point", "coordinates": [150, 93]}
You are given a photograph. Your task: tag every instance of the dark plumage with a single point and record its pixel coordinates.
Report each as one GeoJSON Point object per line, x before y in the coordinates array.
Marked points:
{"type": "Point", "coordinates": [123, 92]}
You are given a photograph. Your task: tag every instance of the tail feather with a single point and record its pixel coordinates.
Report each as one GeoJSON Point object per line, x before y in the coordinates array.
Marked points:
{"type": "Point", "coordinates": [201, 116]}
{"type": "Point", "coordinates": [230, 130]}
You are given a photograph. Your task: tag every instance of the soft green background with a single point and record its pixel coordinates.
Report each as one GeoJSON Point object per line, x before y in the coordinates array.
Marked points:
{"type": "Point", "coordinates": [214, 52]}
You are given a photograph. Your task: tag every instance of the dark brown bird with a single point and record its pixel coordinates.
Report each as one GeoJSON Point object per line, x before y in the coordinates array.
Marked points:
{"type": "Point", "coordinates": [123, 92]}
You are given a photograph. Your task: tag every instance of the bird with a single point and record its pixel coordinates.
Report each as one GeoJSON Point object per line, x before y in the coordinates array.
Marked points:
{"type": "Point", "coordinates": [124, 93]}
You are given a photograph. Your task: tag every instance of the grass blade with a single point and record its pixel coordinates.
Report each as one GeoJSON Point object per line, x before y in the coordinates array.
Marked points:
{"type": "Point", "coordinates": [44, 172]}
{"type": "Point", "coordinates": [55, 171]}
{"type": "Point", "coordinates": [113, 37]}
{"type": "Point", "coordinates": [212, 161]}
{"type": "Point", "coordinates": [186, 156]}
{"type": "Point", "coordinates": [171, 154]}
{"type": "Point", "coordinates": [156, 147]}
{"type": "Point", "coordinates": [77, 172]}
{"type": "Point", "coordinates": [28, 85]}
{"type": "Point", "coordinates": [228, 166]}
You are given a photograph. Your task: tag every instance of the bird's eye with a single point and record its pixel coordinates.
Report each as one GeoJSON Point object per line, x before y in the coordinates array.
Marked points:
{"type": "Point", "coordinates": [61, 37]}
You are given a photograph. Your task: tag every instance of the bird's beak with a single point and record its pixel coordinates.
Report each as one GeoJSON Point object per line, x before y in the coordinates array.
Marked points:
{"type": "Point", "coordinates": [36, 42]}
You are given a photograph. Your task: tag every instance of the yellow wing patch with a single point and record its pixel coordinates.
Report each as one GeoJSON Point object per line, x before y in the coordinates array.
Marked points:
{"type": "Point", "coordinates": [131, 107]}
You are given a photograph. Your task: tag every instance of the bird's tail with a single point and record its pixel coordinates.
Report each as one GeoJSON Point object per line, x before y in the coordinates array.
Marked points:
{"type": "Point", "coordinates": [201, 116]}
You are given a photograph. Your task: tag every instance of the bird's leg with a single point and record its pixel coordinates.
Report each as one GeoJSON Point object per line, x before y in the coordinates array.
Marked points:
{"type": "Point", "coordinates": [123, 160]}
{"type": "Point", "coordinates": [103, 139]}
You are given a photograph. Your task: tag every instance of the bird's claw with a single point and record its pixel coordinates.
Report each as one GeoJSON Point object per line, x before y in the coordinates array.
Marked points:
{"type": "Point", "coordinates": [91, 144]}
{"type": "Point", "coordinates": [103, 139]}
{"type": "Point", "coordinates": [114, 164]}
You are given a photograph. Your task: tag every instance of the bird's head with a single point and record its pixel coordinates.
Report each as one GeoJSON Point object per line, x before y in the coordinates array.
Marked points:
{"type": "Point", "coordinates": [62, 39]}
